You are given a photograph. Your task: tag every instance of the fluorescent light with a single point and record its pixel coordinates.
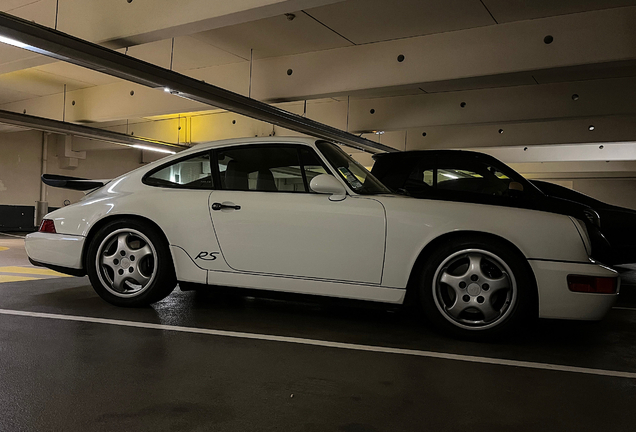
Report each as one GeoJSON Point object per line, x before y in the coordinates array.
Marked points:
{"type": "Point", "coordinates": [450, 176]}
{"type": "Point", "coordinates": [155, 149]}
{"type": "Point", "coordinates": [14, 42]}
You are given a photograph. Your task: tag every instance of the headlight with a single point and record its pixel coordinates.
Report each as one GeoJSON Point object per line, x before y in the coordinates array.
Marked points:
{"type": "Point", "coordinates": [585, 236]}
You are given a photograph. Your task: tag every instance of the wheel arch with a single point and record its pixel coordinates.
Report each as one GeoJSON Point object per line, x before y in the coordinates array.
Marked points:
{"type": "Point", "coordinates": [411, 288]}
{"type": "Point", "coordinates": [104, 221]}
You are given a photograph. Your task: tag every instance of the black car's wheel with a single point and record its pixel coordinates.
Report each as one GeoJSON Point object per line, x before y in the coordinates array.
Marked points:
{"type": "Point", "coordinates": [477, 288]}
{"type": "Point", "coordinates": [129, 264]}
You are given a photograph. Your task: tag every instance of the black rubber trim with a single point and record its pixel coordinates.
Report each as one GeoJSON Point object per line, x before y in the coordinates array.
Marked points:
{"type": "Point", "coordinates": [562, 261]}
{"type": "Point", "coordinates": [59, 269]}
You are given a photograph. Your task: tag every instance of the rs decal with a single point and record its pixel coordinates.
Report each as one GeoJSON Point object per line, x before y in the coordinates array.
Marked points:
{"type": "Point", "coordinates": [207, 256]}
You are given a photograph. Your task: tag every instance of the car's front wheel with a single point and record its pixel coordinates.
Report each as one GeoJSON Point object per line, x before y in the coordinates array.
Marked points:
{"type": "Point", "coordinates": [129, 264]}
{"type": "Point", "coordinates": [477, 288]}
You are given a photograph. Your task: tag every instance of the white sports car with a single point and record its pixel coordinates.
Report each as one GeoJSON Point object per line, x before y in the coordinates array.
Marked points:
{"type": "Point", "coordinates": [299, 215]}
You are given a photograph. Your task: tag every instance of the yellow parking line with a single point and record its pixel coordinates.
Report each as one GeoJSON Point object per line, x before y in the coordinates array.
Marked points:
{"type": "Point", "coordinates": [31, 271]}
{"type": "Point", "coordinates": [2, 248]}
{"type": "Point", "coordinates": [9, 278]}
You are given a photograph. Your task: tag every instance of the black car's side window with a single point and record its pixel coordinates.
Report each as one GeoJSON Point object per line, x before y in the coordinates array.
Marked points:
{"type": "Point", "coordinates": [268, 168]}
{"type": "Point", "coordinates": [192, 172]}
{"type": "Point", "coordinates": [479, 178]}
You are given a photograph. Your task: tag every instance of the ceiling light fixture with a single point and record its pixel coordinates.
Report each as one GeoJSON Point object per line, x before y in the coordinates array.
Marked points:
{"type": "Point", "coordinates": [13, 42]}
{"type": "Point", "coordinates": [154, 149]}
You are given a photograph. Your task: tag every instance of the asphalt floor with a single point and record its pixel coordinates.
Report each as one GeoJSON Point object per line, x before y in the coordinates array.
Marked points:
{"type": "Point", "coordinates": [221, 361]}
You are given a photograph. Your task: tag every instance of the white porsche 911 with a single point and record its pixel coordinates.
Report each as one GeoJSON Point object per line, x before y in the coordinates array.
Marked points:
{"type": "Point", "coordinates": [300, 215]}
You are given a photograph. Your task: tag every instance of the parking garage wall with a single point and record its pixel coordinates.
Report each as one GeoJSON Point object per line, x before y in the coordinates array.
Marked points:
{"type": "Point", "coordinates": [619, 192]}
{"type": "Point", "coordinates": [20, 162]}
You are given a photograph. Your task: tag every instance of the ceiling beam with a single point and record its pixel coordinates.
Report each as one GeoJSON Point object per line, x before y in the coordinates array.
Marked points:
{"type": "Point", "coordinates": [64, 128]}
{"type": "Point", "coordinates": [52, 43]}
{"type": "Point", "coordinates": [118, 24]}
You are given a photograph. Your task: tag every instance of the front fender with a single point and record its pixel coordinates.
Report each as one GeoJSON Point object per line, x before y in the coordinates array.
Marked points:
{"type": "Point", "coordinates": [414, 223]}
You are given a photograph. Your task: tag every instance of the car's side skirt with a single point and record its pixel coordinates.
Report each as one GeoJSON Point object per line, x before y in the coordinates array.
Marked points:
{"type": "Point", "coordinates": [307, 286]}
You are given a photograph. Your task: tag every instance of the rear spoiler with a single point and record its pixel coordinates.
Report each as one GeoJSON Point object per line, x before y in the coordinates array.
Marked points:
{"type": "Point", "coordinates": [73, 183]}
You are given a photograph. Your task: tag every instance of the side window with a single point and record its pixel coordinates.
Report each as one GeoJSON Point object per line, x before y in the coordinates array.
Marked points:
{"type": "Point", "coordinates": [267, 168]}
{"type": "Point", "coordinates": [190, 173]}
{"type": "Point", "coordinates": [463, 176]}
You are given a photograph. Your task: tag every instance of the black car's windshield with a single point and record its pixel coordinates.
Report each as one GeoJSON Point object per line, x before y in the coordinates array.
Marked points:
{"type": "Point", "coordinates": [359, 179]}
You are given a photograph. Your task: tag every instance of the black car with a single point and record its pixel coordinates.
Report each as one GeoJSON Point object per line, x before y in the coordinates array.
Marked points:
{"type": "Point", "coordinates": [466, 176]}
{"type": "Point", "coordinates": [618, 224]}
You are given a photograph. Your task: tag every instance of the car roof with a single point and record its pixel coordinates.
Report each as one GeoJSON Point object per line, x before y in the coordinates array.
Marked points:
{"type": "Point", "coordinates": [255, 141]}
{"type": "Point", "coordinates": [427, 153]}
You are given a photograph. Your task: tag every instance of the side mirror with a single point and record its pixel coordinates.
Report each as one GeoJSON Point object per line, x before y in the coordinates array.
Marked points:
{"type": "Point", "coordinates": [513, 185]}
{"type": "Point", "coordinates": [328, 184]}
{"type": "Point", "coordinates": [515, 189]}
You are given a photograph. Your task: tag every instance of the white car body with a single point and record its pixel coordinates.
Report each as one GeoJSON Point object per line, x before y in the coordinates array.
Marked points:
{"type": "Point", "coordinates": [361, 247]}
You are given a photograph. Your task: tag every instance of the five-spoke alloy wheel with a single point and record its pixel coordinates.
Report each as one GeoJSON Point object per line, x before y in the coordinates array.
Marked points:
{"type": "Point", "coordinates": [126, 261]}
{"type": "Point", "coordinates": [474, 289]}
{"type": "Point", "coordinates": [477, 287]}
{"type": "Point", "coordinates": [129, 264]}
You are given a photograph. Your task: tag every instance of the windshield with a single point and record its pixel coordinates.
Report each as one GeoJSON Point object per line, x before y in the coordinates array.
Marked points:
{"type": "Point", "coordinates": [355, 175]}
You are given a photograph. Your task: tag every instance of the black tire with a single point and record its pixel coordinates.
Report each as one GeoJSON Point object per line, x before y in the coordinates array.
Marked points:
{"type": "Point", "coordinates": [120, 277]}
{"type": "Point", "coordinates": [477, 288]}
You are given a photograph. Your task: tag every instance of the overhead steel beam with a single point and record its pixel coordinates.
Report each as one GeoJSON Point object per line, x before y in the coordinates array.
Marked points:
{"type": "Point", "coordinates": [53, 43]}
{"type": "Point", "coordinates": [55, 126]}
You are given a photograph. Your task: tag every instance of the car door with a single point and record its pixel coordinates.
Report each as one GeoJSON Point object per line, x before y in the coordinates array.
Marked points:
{"type": "Point", "coordinates": [268, 221]}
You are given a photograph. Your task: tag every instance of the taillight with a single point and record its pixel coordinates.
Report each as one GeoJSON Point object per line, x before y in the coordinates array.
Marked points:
{"type": "Point", "coordinates": [47, 226]}
{"type": "Point", "coordinates": [592, 284]}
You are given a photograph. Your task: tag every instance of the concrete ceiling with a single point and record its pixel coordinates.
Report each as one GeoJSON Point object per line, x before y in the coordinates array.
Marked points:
{"type": "Point", "coordinates": [343, 58]}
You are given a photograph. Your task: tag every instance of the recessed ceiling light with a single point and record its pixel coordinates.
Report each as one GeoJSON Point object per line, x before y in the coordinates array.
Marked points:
{"type": "Point", "coordinates": [591, 127]}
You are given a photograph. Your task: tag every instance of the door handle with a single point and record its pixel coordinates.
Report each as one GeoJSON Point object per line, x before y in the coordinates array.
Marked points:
{"type": "Point", "coordinates": [219, 206]}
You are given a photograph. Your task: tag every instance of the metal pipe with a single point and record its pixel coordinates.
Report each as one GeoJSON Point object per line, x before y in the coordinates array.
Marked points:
{"type": "Point", "coordinates": [64, 128]}
{"type": "Point", "coordinates": [42, 206]}
{"type": "Point", "coordinates": [55, 44]}
{"type": "Point", "coordinates": [45, 151]}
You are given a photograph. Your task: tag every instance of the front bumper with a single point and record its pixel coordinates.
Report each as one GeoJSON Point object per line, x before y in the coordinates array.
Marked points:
{"type": "Point", "coordinates": [59, 250]}
{"type": "Point", "coordinates": [557, 301]}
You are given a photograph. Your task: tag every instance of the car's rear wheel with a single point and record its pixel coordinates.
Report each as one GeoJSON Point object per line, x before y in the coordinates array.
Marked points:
{"type": "Point", "coordinates": [129, 264]}
{"type": "Point", "coordinates": [477, 288]}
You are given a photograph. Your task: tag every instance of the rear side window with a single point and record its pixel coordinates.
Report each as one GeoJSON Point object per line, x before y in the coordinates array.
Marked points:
{"type": "Point", "coordinates": [193, 172]}
{"type": "Point", "coordinates": [268, 168]}
{"type": "Point", "coordinates": [474, 177]}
